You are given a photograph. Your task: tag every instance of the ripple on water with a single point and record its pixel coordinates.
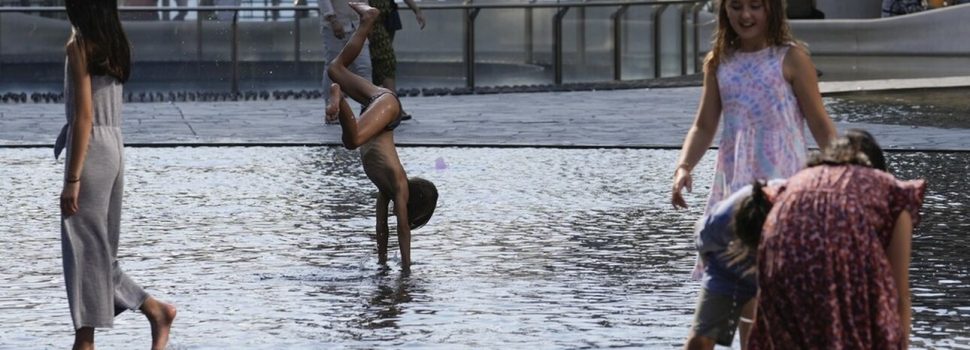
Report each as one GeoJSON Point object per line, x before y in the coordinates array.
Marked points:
{"type": "Point", "coordinates": [265, 248]}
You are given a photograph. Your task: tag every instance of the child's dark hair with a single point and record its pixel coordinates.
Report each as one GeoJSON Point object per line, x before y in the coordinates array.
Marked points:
{"type": "Point", "coordinates": [749, 218]}
{"type": "Point", "coordinates": [857, 147]}
{"type": "Point", "coordinates": [100, 37]}
{"type": "Point", "coordinates": [422, 200]}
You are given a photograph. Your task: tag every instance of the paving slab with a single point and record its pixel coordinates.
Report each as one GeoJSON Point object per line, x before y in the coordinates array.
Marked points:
{"type": "Point", "coordinates": [653, 117]}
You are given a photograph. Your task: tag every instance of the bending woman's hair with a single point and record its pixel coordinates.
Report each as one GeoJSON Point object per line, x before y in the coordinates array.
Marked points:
{"type": "Point", "coordinates": [856, 147]}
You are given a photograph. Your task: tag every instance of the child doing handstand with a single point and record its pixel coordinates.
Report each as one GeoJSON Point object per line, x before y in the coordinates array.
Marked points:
{"type": "Point", "coordinates": [414, 199]}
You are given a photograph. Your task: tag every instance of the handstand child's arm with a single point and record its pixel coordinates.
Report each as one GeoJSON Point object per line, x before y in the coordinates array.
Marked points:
{"type": "Point", "coordinates": [382, 230]}
{"type": "Point", "coordinates": [403, 224]}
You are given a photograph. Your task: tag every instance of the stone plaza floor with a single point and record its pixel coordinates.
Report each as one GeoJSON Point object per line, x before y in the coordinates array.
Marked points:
{"type": "Point", "coordinates": [657, 117]}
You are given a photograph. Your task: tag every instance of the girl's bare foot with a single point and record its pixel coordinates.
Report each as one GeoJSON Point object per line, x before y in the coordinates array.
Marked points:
{"type": "Point", "coordinates": [333, 106]}
{"type": "Point", "coordinates": [160, 315]}
{"type": "Point", "coordinates": [367, 14]}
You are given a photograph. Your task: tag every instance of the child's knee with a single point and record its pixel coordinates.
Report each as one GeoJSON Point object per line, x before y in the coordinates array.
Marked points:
{"type": "Point", "coordinates": [333, 68]}
{"type": "Point", "coordinates": [699, 342]}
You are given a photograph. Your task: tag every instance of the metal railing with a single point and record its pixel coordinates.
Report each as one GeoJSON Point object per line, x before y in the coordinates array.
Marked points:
{"type": "Point", "coordinates": [688, 8]}
{"type": "Point", "coordinates": [234, 29]}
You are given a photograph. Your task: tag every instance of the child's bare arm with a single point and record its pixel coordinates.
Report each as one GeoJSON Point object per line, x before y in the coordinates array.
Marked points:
{"type": "Point", "coordinates": [403, 225]}
{"type": "Point", "coordinates": [900, 247]}
{"type": "Point", "coordinates": [800, 71]}
{"type": "Point", "coordinates": [698, 139]}
{"type": "Point", "coordinates": [382, 230]}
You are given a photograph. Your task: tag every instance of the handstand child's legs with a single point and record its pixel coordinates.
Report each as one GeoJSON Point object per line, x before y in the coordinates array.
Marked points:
{"type": "Point", "coordinates": [382, 111]}
{"type": "Point", "coordinates": [356, 87]}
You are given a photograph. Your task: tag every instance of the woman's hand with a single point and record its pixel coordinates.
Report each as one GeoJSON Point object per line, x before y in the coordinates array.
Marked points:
{"type": "Point", "coordinates": [420, 17]}
{"type": "Point", "coordinates": [682, 180]}
{"type": "Point", "coordinates": [338, 29]}
{"type": "Point", "coordinates": [69, 197]}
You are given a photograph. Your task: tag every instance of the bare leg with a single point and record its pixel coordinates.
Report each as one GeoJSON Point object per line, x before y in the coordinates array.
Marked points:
{"type": "Point", "coordinates": [389, 83]}
{"type": "Point", "coordinates": [84, 339]}
{"type": "Point", "coordinates": [160, 315]}
{"type": "Point", "coordinates": [375, 119]}
{"type": "Point", "coordinates": [748, 312]}
{"type": "Point", "coordinates": [381, 111]}
{"type": "Point", "coordinates": [697, 342]}
{"type": "Point", "coordinates": [353, 85]}
{"type": "Point", "coordinates": [348, 123]}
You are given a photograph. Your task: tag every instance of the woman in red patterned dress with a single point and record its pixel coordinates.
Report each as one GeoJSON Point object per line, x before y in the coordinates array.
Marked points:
{"type": "Point", "coordinates": [834, 256]}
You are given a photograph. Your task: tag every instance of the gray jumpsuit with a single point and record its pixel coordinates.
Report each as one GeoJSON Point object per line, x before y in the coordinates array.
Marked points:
{"type": "Point", "coordinates": [97, 288]}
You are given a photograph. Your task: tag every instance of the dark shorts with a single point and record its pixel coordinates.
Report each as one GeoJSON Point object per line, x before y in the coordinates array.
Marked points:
{"type": "Point", "coordinates": [717, 316]}
{"type": "Point", "coordinates": [393, 124]}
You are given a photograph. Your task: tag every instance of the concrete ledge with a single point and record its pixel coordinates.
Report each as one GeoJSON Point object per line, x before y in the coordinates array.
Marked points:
{"type": "Point", "coordinates": [837, 87]}
{"type": "Point", "coordinates": [940, 32]}
{"type": "Point", "coordinates": [926, 44]}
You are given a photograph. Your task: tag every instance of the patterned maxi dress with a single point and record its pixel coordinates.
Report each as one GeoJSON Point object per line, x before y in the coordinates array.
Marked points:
{"type": "Point", "coordinates": [763, 135]}
{"type": "Point", "coordinates": [824, 276]}
{"type": "Point", "coordinates": [97, 287]}
{"type": "Point", "coordinates": [382, 57]}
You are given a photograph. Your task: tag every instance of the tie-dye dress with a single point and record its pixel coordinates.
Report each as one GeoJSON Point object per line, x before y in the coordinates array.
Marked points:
{"type": "Point", "coordinates": [763, 134]}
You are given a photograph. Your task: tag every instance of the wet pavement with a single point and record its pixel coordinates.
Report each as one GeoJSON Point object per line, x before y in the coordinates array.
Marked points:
{"type": "Point", "coordinates": [501, 266]}
{"type": "Point", "coordinates": [657, 117]}
{"type": "Point", "coordinates": [274, 248]}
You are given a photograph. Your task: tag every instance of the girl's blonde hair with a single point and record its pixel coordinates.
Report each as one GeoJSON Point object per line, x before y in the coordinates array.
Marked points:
{"type": "Point", "coordinates": [726, 39]}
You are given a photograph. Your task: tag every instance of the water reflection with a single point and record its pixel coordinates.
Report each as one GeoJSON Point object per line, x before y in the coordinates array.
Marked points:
{"type": "Point", "coordinates": [388, 302]}
{"type": "Point", "coordinates": [266, 248]}
{"type": "Point", "coordinates": [944, 108]}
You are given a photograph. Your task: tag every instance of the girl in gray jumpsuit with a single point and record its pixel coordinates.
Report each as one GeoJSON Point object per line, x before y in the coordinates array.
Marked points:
{"type": "Point", "coordinates": [98, 63]}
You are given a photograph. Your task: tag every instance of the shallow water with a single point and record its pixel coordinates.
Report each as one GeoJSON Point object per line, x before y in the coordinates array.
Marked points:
{"type": "Point", "coordinates": [268, 248]}
{"type": "Point", "coordinates": [943, 108]}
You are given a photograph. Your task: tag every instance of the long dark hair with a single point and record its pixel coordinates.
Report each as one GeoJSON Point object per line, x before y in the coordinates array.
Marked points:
{"type": "Point", "coordinates": [856, 147]}
{"type": "Point", "coordinates": [99, 35]}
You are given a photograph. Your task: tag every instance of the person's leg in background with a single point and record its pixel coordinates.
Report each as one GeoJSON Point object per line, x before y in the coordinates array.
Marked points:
{"type": "Point", "coordinates": [180, 16]}
{"type": "Point", "coordinates": [390, 83]}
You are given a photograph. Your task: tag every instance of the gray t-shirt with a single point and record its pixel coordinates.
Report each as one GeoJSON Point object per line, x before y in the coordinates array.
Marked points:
{"type": "Point", "coordinates": [340, 8]}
